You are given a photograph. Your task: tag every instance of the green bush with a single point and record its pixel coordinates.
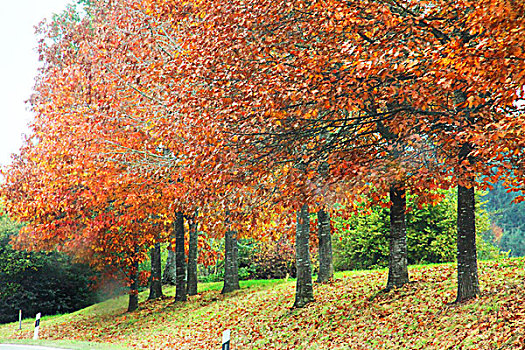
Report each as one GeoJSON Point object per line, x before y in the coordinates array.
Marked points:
{"type": "Point", "coordinates": [49, 283]}
{"type": "Point", "coordinates": [361, 242]}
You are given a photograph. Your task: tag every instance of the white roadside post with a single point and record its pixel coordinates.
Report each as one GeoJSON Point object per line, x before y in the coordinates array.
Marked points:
{"type": "Point", "coordinates": [20, 319]}
{"type": "Point", "coordinates": [37, 326]}
{"type": "Point", "coordinates": [226, 340]}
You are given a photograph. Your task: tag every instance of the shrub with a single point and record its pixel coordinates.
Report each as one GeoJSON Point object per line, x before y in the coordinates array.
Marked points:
{"type": "Point", "coordinates": [274, 260]}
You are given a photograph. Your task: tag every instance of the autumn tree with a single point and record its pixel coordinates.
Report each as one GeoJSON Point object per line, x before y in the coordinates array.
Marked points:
{"type": "Point", "coordinates": [65, 183]}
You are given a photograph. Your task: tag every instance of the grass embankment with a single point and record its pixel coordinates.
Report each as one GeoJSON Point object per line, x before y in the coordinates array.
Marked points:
{"type": "Point", "coordinates": [347, 314]}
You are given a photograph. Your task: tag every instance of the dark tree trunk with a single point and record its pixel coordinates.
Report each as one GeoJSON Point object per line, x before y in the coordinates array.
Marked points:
{"type": "Point", "coordinates": [324, 232]}
{"type": "Point", "coordinates": [304, 288]}
{"type": "Point", "coordinates": [468, 284]}
{"type": "Point", "coordinates": [133, 302]}
{"type": "Point", "coordinates": [180, 258]}
{"type": "Point", "coordinates": [231, 262]}
{"type": "Point", "coordinates": [192, 257]}
{"type": "Point", "coordinates": [155, 290]}
{"type": "Point", "coordinates": [397, 262]}
{"type": "Point", "coordinates": [170, 272]}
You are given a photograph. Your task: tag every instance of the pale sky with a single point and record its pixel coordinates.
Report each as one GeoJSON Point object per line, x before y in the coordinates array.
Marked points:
{"type": "Point", "coordinates": [18, 66]}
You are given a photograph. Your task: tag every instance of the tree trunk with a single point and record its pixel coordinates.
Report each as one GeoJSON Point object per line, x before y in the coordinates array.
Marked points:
{"type": "Point", "coordinates": [231, 262]}
{"type": "Point", "coordinates": [133, 302]}
{"type": "Point", "coordinates": [468, 284]}
{"type": "Point", "coordinates": [155, 290]}
{"type": "Point", "coordinates": [326, 265]}
{"type": "Point", "coordinates": [397, 262]}
{"type": "Point", "coordinates": [192, 257]}
{"type": "Point", "coordinates": [170, 272]}
{"type": "Point", "coordinates": [180, 258]}
{"type": "Point", "coordinates": [304, 289]}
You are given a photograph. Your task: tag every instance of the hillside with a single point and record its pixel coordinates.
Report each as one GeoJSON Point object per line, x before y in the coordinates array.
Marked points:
{"type": "Point", "coordinates": [350, 313]}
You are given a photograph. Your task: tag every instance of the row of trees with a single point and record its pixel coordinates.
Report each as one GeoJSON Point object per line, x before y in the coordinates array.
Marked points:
{"type": "Point", "coordinates": [148, 112]}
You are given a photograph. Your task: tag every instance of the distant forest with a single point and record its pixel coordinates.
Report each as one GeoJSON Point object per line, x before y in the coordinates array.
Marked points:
{"type": "Point", "coordinates": [508, 220]}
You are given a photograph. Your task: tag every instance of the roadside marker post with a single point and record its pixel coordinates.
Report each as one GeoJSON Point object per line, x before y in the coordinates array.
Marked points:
{"type": "Point", "coordinates": [226, 340]}
{"type": "Point", "coordinates": [20, 319]}
{"type": "Point", "coordinates": [37, 326]}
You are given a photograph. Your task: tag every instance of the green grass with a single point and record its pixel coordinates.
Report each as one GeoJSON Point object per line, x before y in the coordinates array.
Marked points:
{"type": "Point", "coordinates": [348, 313]}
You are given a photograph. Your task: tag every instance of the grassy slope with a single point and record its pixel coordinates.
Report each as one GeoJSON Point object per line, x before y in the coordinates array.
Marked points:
{"type": "Point", "coordinates": [347, 314]}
